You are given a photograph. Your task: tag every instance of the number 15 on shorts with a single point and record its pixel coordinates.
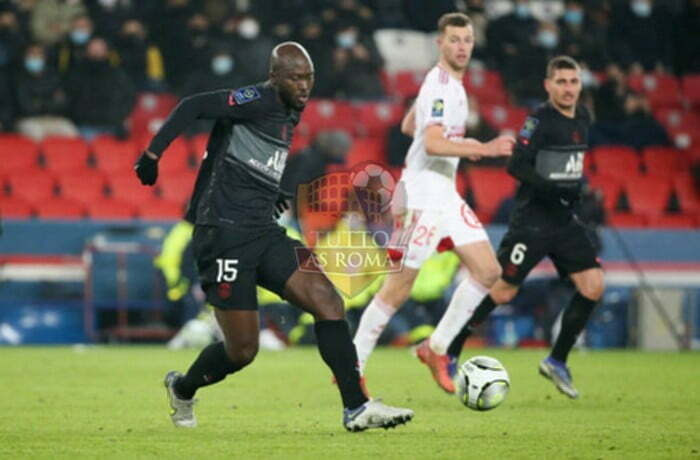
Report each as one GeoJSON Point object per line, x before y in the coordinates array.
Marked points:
{"type": "Point", "coordinates": [226, 270]}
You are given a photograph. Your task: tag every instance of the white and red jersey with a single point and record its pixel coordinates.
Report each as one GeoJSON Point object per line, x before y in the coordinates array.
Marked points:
{"type": "Point", "coordinates": [429, 180]}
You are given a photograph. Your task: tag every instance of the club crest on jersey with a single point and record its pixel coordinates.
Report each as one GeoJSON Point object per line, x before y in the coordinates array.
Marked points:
{"type": "Point", "coordinates": [244, 95]}
{"type": "Point", "coordinates": [529, 127]}
{"type": "Point", "coordinates": [438, 108]}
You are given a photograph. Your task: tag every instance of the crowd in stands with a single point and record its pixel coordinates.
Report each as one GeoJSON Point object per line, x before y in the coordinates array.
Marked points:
{"type": "Point", "coordinates": [108, 72]}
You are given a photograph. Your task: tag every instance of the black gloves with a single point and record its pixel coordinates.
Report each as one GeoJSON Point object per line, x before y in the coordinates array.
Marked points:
{"type": "Point", "coordinates": [147, 169]}
{"type": "Point", "coordinates": [282, 203]}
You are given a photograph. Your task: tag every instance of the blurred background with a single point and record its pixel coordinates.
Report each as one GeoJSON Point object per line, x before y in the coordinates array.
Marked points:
{"type": "Point", "coordinates": [89, 255]}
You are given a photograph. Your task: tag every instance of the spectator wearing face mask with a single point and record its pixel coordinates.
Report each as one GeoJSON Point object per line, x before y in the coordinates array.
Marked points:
{"type": "Point", "coordinates": [52, 19]}
{"type": "Point", "coordinates": [252, 47]}
{"type": "Point", "coordinates": [41, 99]}
{"type": "Point", "coordinates": [221, 73]}
{"type": "Point", "coordinates": [581, 37]}
{"type": "Point", "coordinates": [110, 15]}
{"type": "Point", "coordinates": [73, 48]}
{"type": "Point", "coordinates": [101, 96]}
{"type": "Point", "coordinates": [641, 35]}
{"type": "Point", "coordinates": [356, 65]}
{"type": "Point", "coordinates": [313, 38]}
{"type": "Point", "coordinates": [511, 35]}
{"type": "Point", "coordinates": [140, 58]}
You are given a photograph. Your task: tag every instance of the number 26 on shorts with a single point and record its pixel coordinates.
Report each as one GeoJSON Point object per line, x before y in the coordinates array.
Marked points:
{"type": "Point", "coordinates": [517, 255]}
{"type": "Point", "coordinates": [226, 270]}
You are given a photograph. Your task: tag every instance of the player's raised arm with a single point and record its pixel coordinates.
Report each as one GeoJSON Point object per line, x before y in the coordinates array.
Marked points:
{"type": "Point", "coordinates": [209, 105]}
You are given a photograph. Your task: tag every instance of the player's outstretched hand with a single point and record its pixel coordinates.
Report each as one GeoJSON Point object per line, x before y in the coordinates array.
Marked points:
{"type": "Point", "coordinates": [146, 168]}
{"type": "Point", "coordinates": [502, 146]}
{"type": "Point", "coordinates": [282, 203]}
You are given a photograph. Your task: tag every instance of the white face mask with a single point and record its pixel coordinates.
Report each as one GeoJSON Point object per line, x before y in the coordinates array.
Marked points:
{"type": "Point", "coordinates": [249, 29]}
{"type": "Point", "coordinates": [346, 39]}
{"type": "Point", "coordinates": [221, 65]}
{"type": "Point", "coordinates": [587, 78]}
{"type": "Point", "coordinates": [108, 4]}
{"type": "Point", "coordinates": [641, 8]}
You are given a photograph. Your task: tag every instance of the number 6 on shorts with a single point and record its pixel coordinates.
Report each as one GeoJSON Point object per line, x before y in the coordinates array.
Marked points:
{"type": "Point", "coordinates": [517, 255]}
{"type": "Point", "coordinates": [226, 270]}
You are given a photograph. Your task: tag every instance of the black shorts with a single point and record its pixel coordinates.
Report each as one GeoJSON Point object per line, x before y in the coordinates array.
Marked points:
{"type": "Point", "coordinates": [569, 247]}
{"type": "Point", "coordinates": [231, 264]}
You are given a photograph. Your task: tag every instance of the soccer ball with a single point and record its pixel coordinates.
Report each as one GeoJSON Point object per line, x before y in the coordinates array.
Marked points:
{"type": "Point", "coordinates": [482, 383]}
{"type": "Point", "coordinates": [374, 177]}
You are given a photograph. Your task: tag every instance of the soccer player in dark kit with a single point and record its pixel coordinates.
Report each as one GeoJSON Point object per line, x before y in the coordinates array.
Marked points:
{"type": "Point", "coordinates": [238, 244]}
{"type": "Point", "coordinates": [548, 162]}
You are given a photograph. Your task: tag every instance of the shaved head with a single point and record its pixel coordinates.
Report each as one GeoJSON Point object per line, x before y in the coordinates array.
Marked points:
{"type": "Point", "coordinates": [292, 73]}
{"type": "Point", "coordinates": [289, 54]}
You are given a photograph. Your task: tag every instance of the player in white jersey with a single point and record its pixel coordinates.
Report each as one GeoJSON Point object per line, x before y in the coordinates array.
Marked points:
{"type": "Point", "coordinates": [429, 212]}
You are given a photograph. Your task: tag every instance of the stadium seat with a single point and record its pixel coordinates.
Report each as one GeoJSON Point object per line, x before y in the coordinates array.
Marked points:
{"type": "Point", "coordinates": [323, 114]}
{"type": "Point", "coordinates": [687, 194]}
{"type": "Point", "coordinates": [404, 49]}
{"type": "Point", "coordinates": [19, 154]}
{"type": "Point", "coordinates": [161, 210]}
{"type": "Point", "coordinates": [504, 118]}
{"type": "Point", "coordinates": [627, 220]}
{"type": "Point", "coordinates": [60, 208]}
{"type": "Point", "coordinates": [610, 187]}
{"type": "Point", "coordinates": [177, 187]}
{"type": "Point", "coordinates": [679, 221]}
{"type": "Point", "coordinates": [663, 90]}
{"type": "Point", "coordinates": [127, 187]}
{"type": "Point", "coordinates": [490, 186]}
{"type": "Point", "coordinates": [65, 154]}
{"type": "Point", "coordinates": [176, 158]}
{"type": "Point", "coordinates": [662, 161]}
{"type": "Point", "coordinates": [299, 142]}
{"type": "Point", "coordinates": [375, 118]}
{"type": "Point", "coordinates": [486, 86]}
{"type": "Point", "coordinates": [406, 84]}
{"type": "Point", "coordinates": [84, 188]}
{"type": "Point", "coordinates": [149, 114]}
{"type": "Point", "coordinates": [113, 155]}
{"type": "Point", "coordinates": [111, 209]}
{"type": "Point", "coordinates": [648, 195]}
{"type": "Point", "coordinates": [35, 188]}
{"type": "Point", "coordinates": [15, 208]}
{"type": "Point", "coordinates": [366, 149]}
{"type": "Point", "coordinates": [677, 119]}
{"type": "Point", "coordinates": [691, 88]}
{"type": "Point", "coordinates": [616, 160]}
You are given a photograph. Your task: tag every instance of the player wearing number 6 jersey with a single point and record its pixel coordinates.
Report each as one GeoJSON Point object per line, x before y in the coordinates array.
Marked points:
{"type": "Point", "coordinates": [237, 243]}
{"type": "Point", "coordinates": [428, 211]}
{"type": "Point", "coordinates": [548, 162]}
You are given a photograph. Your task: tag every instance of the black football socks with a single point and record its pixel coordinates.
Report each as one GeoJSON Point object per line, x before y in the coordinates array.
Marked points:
{"type": "Point", "coordinates": [479, 316]}
{"type": "Point", "coordinates": [338, 352]}
{"type": "Point", "coordinates": [211, 366]}
{"type": "Point", "coordinates": [572, 323]}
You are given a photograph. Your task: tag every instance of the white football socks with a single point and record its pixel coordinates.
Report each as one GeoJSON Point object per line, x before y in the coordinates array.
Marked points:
{"type": "Point", "coordinates": [372, 323]}
{"type": "Point", "coordinates": [465, 299]}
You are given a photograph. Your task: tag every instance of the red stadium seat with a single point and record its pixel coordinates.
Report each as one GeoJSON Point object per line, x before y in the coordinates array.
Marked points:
{"type": "Point", "coordinates": [176, 158]}
{"type": "Point", "coordinates": [610, 187]}
{"type": "Point", "coordinates": [35, 188]}
{"type": "Point", "coordinates": [662, 161]}
{"type": "Point", "coordinates": [324, 114]}
{"type": "Point", "coordinates": [677, 119]}
{"type": "Point", "coordinates": [177, 187]}
{"type": "Point", "coordinates": [60, 208]}
{"type": "Point", "coordinates": [111, 209]}
{"type": "Point", "coordinates": [375, 118]}
{"type": "Point", "coordinates": [503, 117]}
{"type": "Point", "coordinates": [19, 154]}
{"type": "Point", "coordinates": [679, 221]}
{"type": "Point", "coordinates": [113, 155]}
{"type": "Point", "coordinates": [486, 86]}
{"type": "Point", "coordinates": [84, 188]}
{"type": "Point", "coordinates": [490, 186]}
{"type": "Point", "coordinates": [663, 90]}
{"type": "Point", "coordinates": [616, 160]}
{"type": "Point", "coordinates": [627, 220]}
{"type": "Point", "coordinates": [406, 83]}
{"type": "Point", "coordinates": [687, 194]}
{"type": "Point", "coordinates": [299, 142]}
{"type": "Point", "coordinates": [691, 88]}
{"type": "Point", "coordinates": [15, 208]}
{"type": "Point", "coordinates": [648, 195]}
{"type": "Point", "coordinates": [127, 187]}
{"type": "Point", "coordinates": [65, 154]}
{"type": "Point", "coordinates": [161, 210]}
{"type": "Point", "coordinates": [366, 149]}
{"type": "Point", "coordinates": [148, 115]}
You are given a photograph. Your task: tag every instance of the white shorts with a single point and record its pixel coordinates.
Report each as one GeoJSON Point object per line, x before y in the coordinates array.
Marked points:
{"type": "Point", "coordinates": [418, 233]}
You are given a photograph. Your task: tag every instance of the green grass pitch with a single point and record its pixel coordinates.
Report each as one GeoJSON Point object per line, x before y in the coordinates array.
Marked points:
{"type": "Point", "coordinates": [108, 402]}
